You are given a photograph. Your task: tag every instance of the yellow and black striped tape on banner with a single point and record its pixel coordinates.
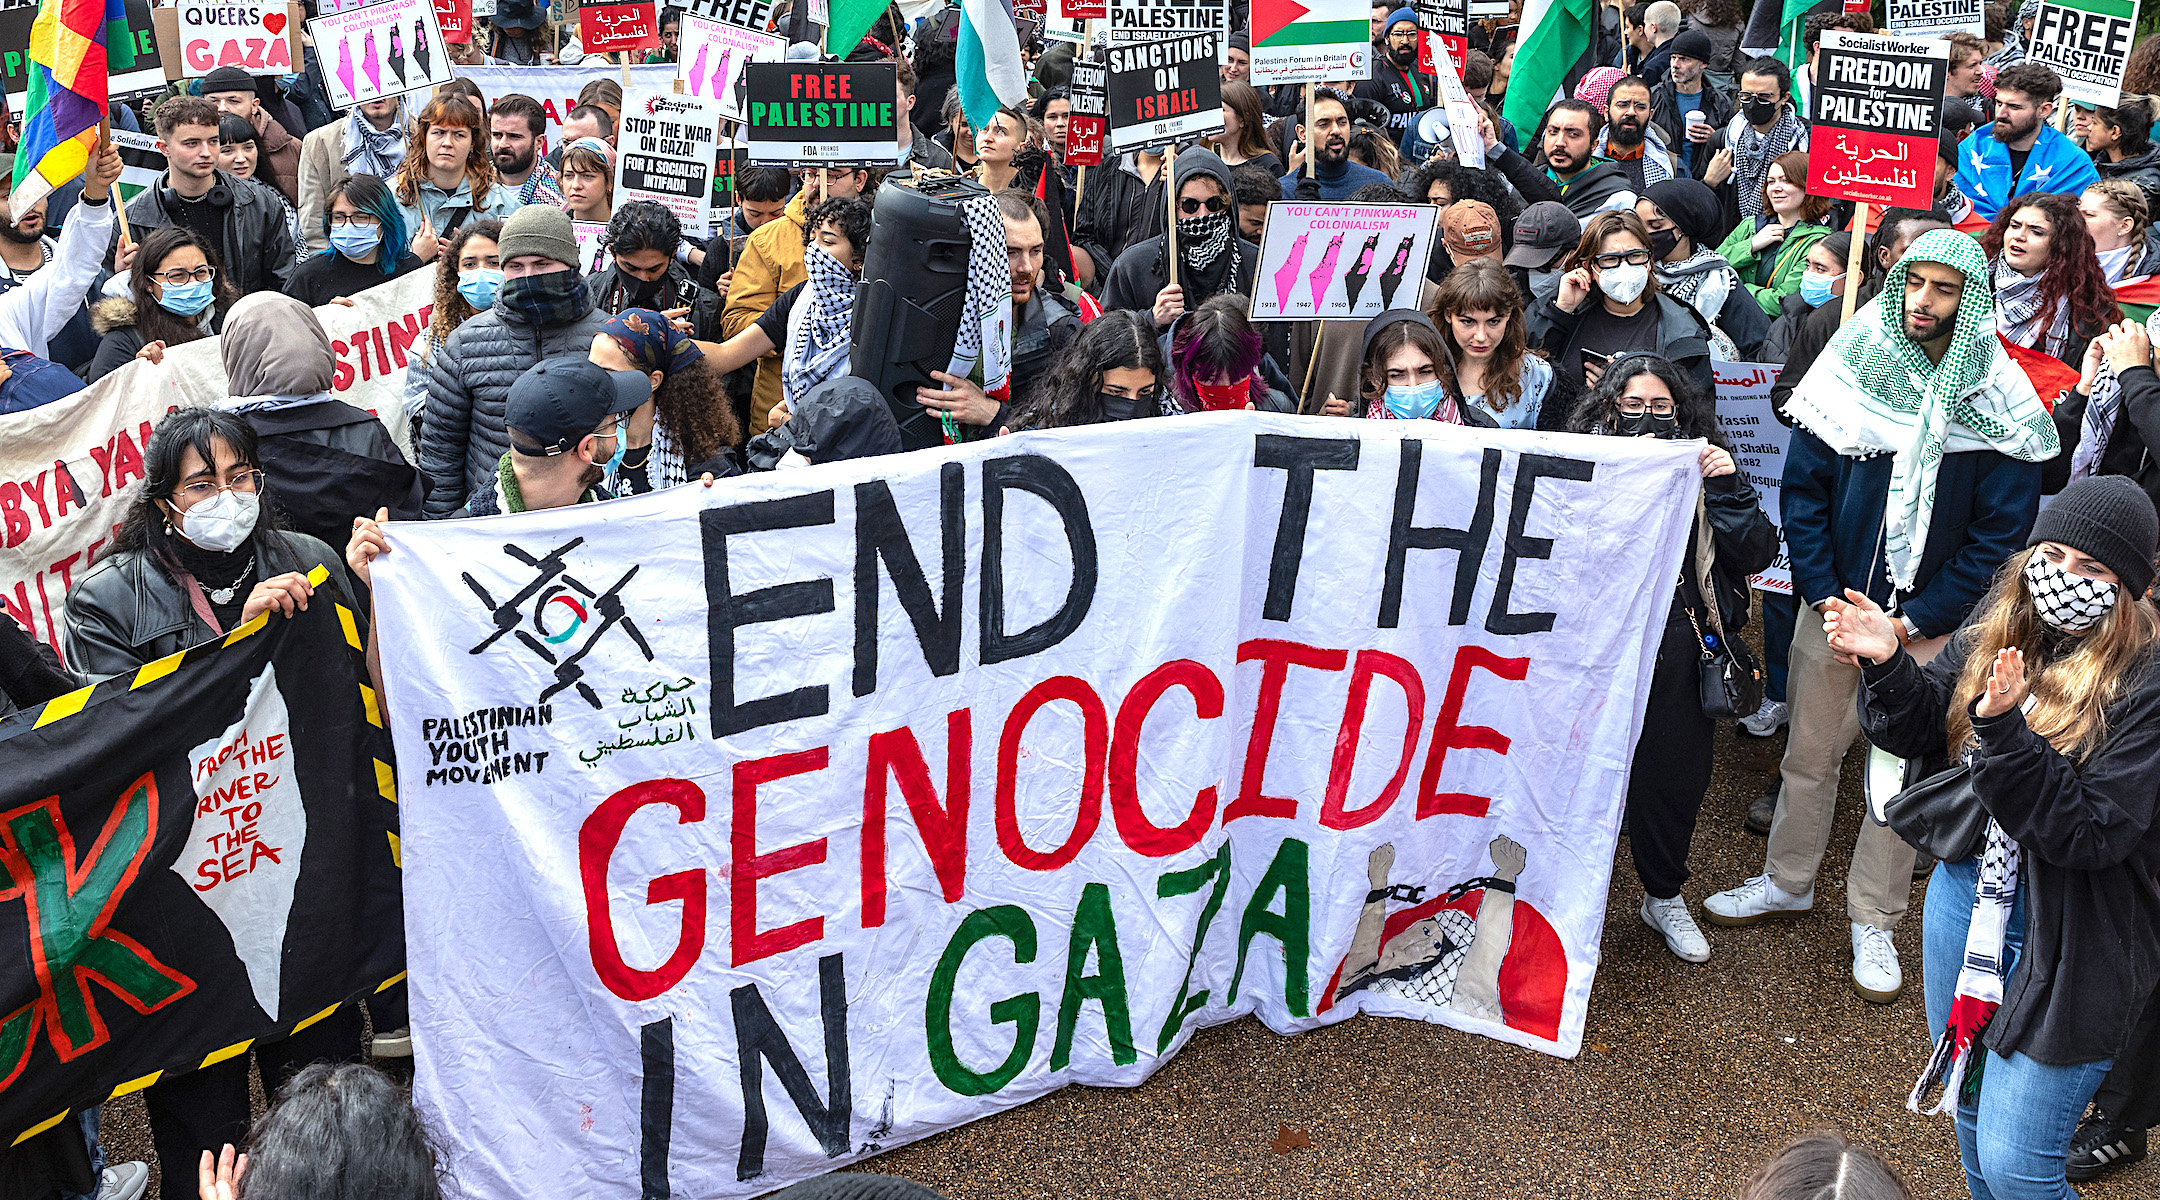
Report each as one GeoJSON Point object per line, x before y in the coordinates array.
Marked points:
{"type": "Point", "coordinates": [67, 705]}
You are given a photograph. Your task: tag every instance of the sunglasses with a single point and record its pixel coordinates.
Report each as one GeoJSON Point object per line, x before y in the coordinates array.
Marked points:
{"type": "Point", "coordinates": [1189, 206]}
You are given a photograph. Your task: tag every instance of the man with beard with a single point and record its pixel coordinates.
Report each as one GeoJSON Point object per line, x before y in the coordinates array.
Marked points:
{"type": "Point", "coordinates": [1043, 325]}
{"type": "Point", "coordinates": [1396, 82]}
{"type": "Point", "coordinates": [2019, 152]}
{"type": "Point", "coordinates": [1212, 258]}
{"type": "Point", "coordinates": [1734, 159]}
{"type": "Point", "coordinates": [643, 271]}
{"type": "Point", "coordinates": [1632, 140]}
{"type": "Point", "coordinates": [1333, 171]}
{"type": "Point", "coordinates": [564, 419]}
{"type": "Point", "coordinates": [1574, 175]}
{"type": "Point", "coordinates": [369, 141]}
{"type": "Point", "coordinates": [44, 286]}
{"type": "Point", "coordinates": [1688, 107]}
{"type": "Point", "coordinates": [514, 128]}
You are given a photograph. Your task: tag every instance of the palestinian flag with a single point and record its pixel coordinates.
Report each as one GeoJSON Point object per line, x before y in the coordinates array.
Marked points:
{"type": "Point", "coordinates": [2050, 376]}
{"type": "Point", "coordinates": [1557, 50]}
{"type": "Point", "coordinates": [2138, 297]}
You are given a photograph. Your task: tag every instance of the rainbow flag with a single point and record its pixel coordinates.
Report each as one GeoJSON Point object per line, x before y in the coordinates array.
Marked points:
{"type": "Point", "coordinates": [69, 68]}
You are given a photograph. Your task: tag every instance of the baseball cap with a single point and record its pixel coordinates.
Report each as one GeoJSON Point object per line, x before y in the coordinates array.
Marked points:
{"type": "Point", "coordinates": [555, 403]}
{"type": "Point", "coordinates": [1544, 232]}
{"type": "Point", "coordinates": [1470, 229]}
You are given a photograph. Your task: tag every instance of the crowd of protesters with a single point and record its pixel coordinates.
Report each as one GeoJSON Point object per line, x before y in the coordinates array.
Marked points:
{"type": "Point", "coordinates": [1971, 552]}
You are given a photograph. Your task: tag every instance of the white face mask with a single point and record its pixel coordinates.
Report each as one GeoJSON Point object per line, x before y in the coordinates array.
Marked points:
{"type": "Point", "coordinates": [1624, 283]}
{"type": "Point", "coordinates": [2070, 603]}
{"type": "Point", "coordinates": [222, 522]}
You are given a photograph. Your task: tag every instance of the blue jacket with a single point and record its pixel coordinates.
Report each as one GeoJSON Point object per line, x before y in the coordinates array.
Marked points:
{"type": "Point", "coordinates": [1352, 176]}
{"type": "Point", "coordinates": [2055, 165]}
{"type": "Point", "coordinates": [1832, 510]}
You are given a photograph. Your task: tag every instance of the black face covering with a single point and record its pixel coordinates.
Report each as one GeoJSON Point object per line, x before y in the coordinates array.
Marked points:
{"type": "Point", "coordinates": [644, 293]}
{"type": "Point", "coordinates": [1759, 112]}
{"type": "Point", "coordinates": [1662, 242]}
{"type": "Point", "coordinates": [1123, 408]}
{"type": "Point", "coordinates": [1665, 427]}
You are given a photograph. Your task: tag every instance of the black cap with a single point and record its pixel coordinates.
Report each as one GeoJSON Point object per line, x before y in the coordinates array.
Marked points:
{"type": "Point", "coordinates": [1693, 43]}
{"type": "Point", "coordinates": [227, 79]}
{"type": "Point", "coordinates": [1543, 232]}
{"type": "Point", "coordinates": [556, 403]}
{"type": "Point", "coordinates": [2110, 518]}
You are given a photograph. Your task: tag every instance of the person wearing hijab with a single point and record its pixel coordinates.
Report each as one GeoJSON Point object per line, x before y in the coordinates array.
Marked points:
{"type": "Point", "coordinates": [1912, 474]}
{"type": "Point", "coordinates": [1212, 258]}
{"type": "Point", "coordinates": [1686, 223]}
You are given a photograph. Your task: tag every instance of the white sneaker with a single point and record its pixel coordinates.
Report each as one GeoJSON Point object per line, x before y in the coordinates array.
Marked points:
{"type": "Point", "coordinates": [1670, 918]}
{"type": "Point", "coordinates": [126, 1181]}
{"type": "Point", "coordinates": [1767, 720]}
{"type": "Point", "coordinates": [1876, 974]}
{"type": "Point", "coordinates": [1754, 901]}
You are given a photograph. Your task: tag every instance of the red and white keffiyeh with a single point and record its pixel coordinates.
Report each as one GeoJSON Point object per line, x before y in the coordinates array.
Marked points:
{"type": "Point", "coordinates": [1958, 1056]}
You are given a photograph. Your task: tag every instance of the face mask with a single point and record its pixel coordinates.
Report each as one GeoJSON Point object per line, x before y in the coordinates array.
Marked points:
{"type": "Point", "coordinates": [614, 462]}
{"type": "Point", "coordinates": [642, 291]}
{"type": "Point", "coordinates": [185, 299]}
{"type": "Point", "coordinates": [1815, 287]}
{"type": "Point", "coordinates": [2069, 603]}
{"type": "Point", "coordinates": [1662, 242]}
{"type": "Point", "coordinates": [1121, 408]}
{"type": "Point", "coordinates": [1624, 283]}
{"type": "Point", "coordinates": [1216, 398]}
{"type": "Point", "coordinates": [222, 522]}
{"type": "Point", "coordinates": [550, 299]}
{"type": "Point", "coordinates": [479, 286]}
{"type": "Point", "coordinates": [1412, 403]}
{"type": "Point", "coordinates": [355, 242]}
{"type": "Point", "coordinates": [1665, 427]}
{"type": "Point", "coordinates": [1759, 112]}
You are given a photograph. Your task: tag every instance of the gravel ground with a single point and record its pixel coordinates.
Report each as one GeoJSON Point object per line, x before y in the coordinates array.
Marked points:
{"type": "Point", "coordinates": [1691, 1075]}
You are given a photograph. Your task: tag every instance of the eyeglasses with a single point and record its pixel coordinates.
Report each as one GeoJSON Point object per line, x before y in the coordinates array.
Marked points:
{"type": "Point", "coordinates": [247, 483]}
{"type": "Point", "coordinates": [355, 220]}
{"type": "Point", "coordinates": [181, 275]}
{"type": "Point", "coordinates": [1633, 258]}
{"type": "Point", "coordinates": [1189, 206]}
{"type": "Point", "coordinates": [1760, 97]}
{"type": "Point", "coordinates": [1630, 406]}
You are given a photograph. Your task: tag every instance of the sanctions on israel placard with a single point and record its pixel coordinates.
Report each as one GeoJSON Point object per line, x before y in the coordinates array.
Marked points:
{"type": "Point", "coordinates": [766, 827]}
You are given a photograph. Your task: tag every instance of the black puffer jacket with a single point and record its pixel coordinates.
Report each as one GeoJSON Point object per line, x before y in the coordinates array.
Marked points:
{"type": "Point", "coordinates": [462, 436]}
{"type": "Point", "coordinates": [256, 248]}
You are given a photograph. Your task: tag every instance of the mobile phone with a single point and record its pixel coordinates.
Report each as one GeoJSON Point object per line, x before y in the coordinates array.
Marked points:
{"type": "Point", "coordinates": [1602, 359]}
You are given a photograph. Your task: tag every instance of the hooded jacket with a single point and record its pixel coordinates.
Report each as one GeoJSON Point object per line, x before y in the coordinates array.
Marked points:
{"type": "Point", "coordinates": [1142, 271]}
{"type": "Point", "coordinates": [771, 263]}
{"type": "Point", "coordinates": [119, 338]}
{"type": "Point", "coordinates": [1599, 187]}
{"type": "Point", "coordinates": [255, 246]}
{"type": "Point", "coordinates": [839, 419]}
{"type": "Point", "coordinates": [2054, 165]}
{"type": "Point", "coordinates": [2140, 169]}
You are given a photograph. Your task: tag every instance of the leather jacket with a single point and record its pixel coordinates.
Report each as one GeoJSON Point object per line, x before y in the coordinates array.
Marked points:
{"type": "Point", "coordinates": [127, 611]}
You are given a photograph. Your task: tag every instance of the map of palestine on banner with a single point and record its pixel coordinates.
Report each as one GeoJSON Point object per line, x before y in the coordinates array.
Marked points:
{"type": "Point", "coordinates": [766, 827]}
{"type": "Point", "coordinates": [198, 854]}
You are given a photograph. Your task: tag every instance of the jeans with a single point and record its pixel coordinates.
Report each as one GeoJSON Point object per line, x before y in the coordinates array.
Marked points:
{"type": "Point", "coordinates": [2015, 1139]}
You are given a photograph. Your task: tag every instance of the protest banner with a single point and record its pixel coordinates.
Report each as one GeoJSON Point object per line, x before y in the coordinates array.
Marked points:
{"type": "Point", "coordinates": [1164, 92]}
{"type": "Point", "coordinates": [1064, 29]}
{"type": "Point", "coordinates": [1136, 21]}
{"type": "Point", "coordinates": [70, 469]}
{"type": "Point", "coordinates": [260, 37]}
{"type": "Point", "coordinates": [1873, 118]}
{"type": "Point", "coordinates": [142, 166]}
{"type": "Point", "coordinates": [1069, 787]}
{"type": "Point", "coordinates": [1294, 42]}
{"type": "Point", "coordinates": [2088, 44]}
{"type": "Point", "coordinates": [743, 14]}
{"type": "Point", "coordinates": [609, 28]}
{"type": "Point", "coordinates": [454, 18]}
{"type": "Point", "coordinates": [667, 145]}
{"type": "Point", "coordinates": [210, 840]}
{"type": "Point", "coordinates": [711, 58]}
{"type": "Point", "coordinates": [1444, 23]}
{"type": "Point", "coordinates": [589, 235]}
{"type": "Point", "coordinates": [1084, 10]}
{"type": "Point", "coordinates": [726, 166]}
{"type": "Point", "coordinates": [1936, 18]}
{"type": "Point", "coordinates": [384, 49]}
{"type": "Point", "coordinates": [1089, 124]}
{"type": "Point", "coordinates": [1340, 260]}
{"type": "Point", "coordinates": [16, 18]}
{"type": "Point", "coordinates": [557, 88]}
{"type": "Point", "coordinates": [809, 114]}
{"type": "Point", "coordinates": [1758, 444]}
{"type": "Point", "coordinates": [1463, 115]}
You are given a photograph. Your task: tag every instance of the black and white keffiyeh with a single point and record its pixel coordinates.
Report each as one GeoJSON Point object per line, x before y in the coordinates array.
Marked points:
{"type": "Point", "coordinates": [2070, 603]}
{"type": "Point", "coordinates": [2101, 409]}
{"type": "Point", "coordinates": [2013, 46]}
{"type": "Point", "coordinates": [2017, 312]}
{"type": "Point", "coordinates": [1753, 153]}
{"type": "Point", "coordinates": [985, 336]}
{"type": "Point", "coordinates": [372, 151]}
{"type": "Point", "coordinates": [1202, 239]}
{"type": "Point", "coordinates": [817, 348]}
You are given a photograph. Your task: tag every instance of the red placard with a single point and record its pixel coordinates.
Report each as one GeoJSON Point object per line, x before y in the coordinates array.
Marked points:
{"type": "Point", "coordinates": [606, 28]}
{"type": "Point", "coordinates": [455, 18]}
{"type": "Point", "coordinates": [1084, 10]}
{"type": "Point", "coordinates": [1084, 141]}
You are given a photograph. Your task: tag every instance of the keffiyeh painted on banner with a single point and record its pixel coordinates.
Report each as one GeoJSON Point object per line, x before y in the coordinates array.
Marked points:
{"type": "Point", "coordinates": [986, 315]}
{"type": "Point", "coordinates": [1875, 391]}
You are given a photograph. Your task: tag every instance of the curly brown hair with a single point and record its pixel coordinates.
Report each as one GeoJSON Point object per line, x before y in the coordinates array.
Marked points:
{"type": "Point", "coordinates": [451, 307]}
{"type": "Point", "coordinates": [692, 405]}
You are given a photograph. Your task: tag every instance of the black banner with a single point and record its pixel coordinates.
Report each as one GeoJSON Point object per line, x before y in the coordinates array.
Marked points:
{"type": "Point", "coordinates": [1165, 91]}
{"type": "Point", "coordinates": [804, 114]}
{"type": "Point", "coordinates": [197, 854]}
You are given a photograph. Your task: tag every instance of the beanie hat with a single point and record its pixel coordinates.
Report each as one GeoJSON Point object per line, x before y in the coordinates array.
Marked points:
{"type": "Point", "coordinates": [1694, 44]}
{"type": "Point", "coordinates": [538, 229]}
{"type": "Point", "coordinates": [1405, 13]}
{"type": "Point", "coordinates": [228, 79]}
{"type": "Point", "coordinates": [1691, 205]}
{"type": "Point", "coordinates": [2110, 518]}
{"type": "Point", "coordinates": [1597, 84]}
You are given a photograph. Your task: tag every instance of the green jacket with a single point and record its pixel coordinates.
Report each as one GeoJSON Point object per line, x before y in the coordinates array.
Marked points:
{"type": "Point", "coordinates": [1790, 264]}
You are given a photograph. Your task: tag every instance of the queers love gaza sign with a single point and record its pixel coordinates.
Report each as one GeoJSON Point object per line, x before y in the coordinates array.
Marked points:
{"type": "Point", "coordinates": [756, 829]}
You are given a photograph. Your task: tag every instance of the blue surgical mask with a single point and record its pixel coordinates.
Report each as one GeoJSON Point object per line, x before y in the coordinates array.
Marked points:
{"type": "Point", "coordinates": [186, 299]}
{"type": "Point", "coordinates": [622, 446]}
{"type": "Point", "coordinates": [1815, 287]}
{"type": "Point", "coordinates": [479, 286]}
{"type": "Point", "coordinates": [356, 241]}
{"type": "Point", "coordinates": [1411, 403]}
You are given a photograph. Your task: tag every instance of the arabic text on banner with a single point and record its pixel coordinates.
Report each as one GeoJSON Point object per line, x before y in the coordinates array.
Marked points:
{"type": "Point", "coordinates": [1758, 441]}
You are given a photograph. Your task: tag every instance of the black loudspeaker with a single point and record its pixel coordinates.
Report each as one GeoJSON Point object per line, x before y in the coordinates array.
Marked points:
{"type": "Point", "coordinates": [907, 311]}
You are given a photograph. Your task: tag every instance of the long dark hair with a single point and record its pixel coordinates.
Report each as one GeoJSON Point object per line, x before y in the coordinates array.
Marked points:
{"type": "Point", "coordinates": [152, 321]}
{"type": "Point", "coordinates": [199, 427]}
{"type": "Point", "coordinates": [2073, 269]}
{"type": "Point", "coordinates": [1599, 409]}
{"type": "Point", "coordinates": [1242, 99]}
{"type": "Point", "coordinates": [1066, 395]}
{"type": "Point", "coordinates": [451, 308]}
{"type": "Point", "coordinates": [692, 404]}
{"type": "Point", "coordinates": [342, 1131]}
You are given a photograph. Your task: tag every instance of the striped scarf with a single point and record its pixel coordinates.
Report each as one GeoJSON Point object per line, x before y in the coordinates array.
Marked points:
{"type": "Point", "coordinates": [817, 348]}
{"type": "Point", "coordinates": [1754, 152]}
{"type": "Point", "coordinates": [1959, 1054]}
{"type": "Point", "coordinates": [372, 151]}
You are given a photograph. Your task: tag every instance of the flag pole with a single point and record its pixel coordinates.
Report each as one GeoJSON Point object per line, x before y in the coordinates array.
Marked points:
{"type": "Point", "coordinates": [119, 209]}
{"type": "Point", "coordinates": [1852, 263]}
{"type": "Point", "coordinates": [1169, 177]}
{"type": "Point", "coordinates": [1308, 131]}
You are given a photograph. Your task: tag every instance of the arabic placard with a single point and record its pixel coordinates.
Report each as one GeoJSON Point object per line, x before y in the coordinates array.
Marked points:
{"type": "Point", "coordinates": [1163, 92]}
{"type": "Point", "coordinates": [823, 114]}
{"type": "Point", "coordinates": [385, 49]}
{"type": "Point", "coordinates": [1758, 442]}
{"type": "Point", "coordinates": [1443, 22]}
{"type": "Point", "coordinates": [1873, 118]}
{"type": "Point", "coordinates": [256, 37]}
{"type": "Point", "coordinates": [666, 147]}
{"type": "Point", "coordinates": [1134, 21]}
{"type": "Point", "coordinates": [1340, 261]}
{"type": "Point", "coordinates": [1090, 124]}
{"type": "Point", "coordinates": [2088, 44]}
{"type": "Point", "coordinates": [608, 28]}
{"type": "Point", "coordinates": [454, 18]}
{"type": "Point", "coordinates": [712, 56]}
{"type": "Point", "coordinates": [1083, 10]}
{"type": "Point", "coordinates": [1936, 18]}
{"type": "Point", "coordinates": [1311, 43]}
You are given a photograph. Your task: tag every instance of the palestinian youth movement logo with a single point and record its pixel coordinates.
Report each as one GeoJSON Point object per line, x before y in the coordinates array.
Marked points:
{"type": "Point", "coordinates": [564, 620]}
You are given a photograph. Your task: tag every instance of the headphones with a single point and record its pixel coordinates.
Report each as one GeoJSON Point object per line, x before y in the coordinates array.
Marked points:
{"type": "Point", "coordinates": [219, 196]}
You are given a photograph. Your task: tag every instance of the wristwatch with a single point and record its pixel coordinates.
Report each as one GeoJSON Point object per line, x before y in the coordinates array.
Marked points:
{"type": "Point", "coordinates": [1908, 631]}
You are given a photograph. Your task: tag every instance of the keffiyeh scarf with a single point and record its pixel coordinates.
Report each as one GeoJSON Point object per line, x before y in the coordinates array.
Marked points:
{"type": "Point", "coordinates": [1703, 280]}
{"type": "Point", "coordinates": [817, 348]}
{"type": "Point", "coordinates": [1874, 391]}
{"type": "Point", "coordinates": [2018, 316]}
{"type": "Point", "coordinates": [1202, 239]}
{"type": "Point", "coordinates": [372, 151]}
{"type": "Point", "coordinates": [986, 316]}
{"type": "Point", "coordinates": [1959, 1054]}
{"type": "Point", "coordinates": [1754, 152]}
